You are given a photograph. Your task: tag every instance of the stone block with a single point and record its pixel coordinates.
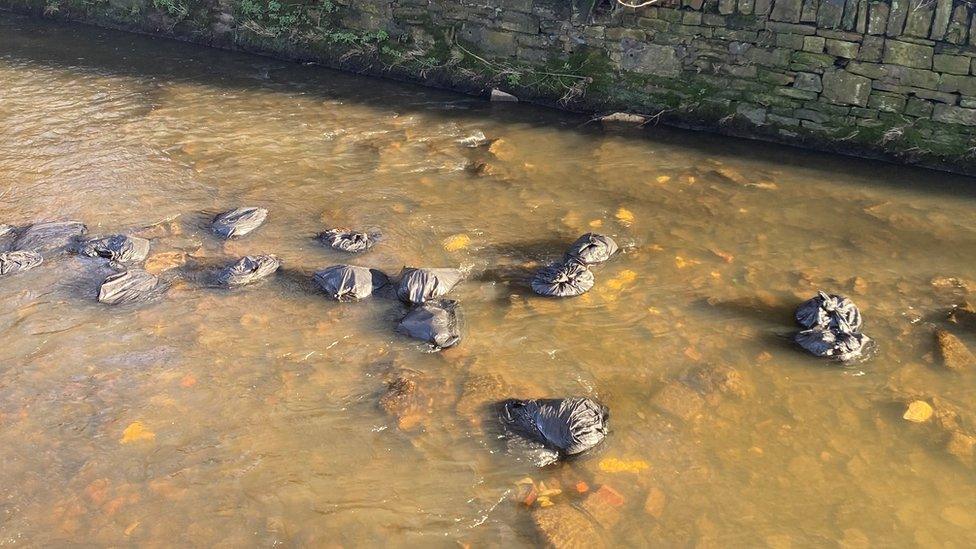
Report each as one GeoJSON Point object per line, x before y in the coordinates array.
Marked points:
{"type": "Point", "coordinates": [871, 49]}
{"type": "Point", "coordinates": [652, 59]}
{"type": "Point", "coordinates": [897, 17]}
{"type": "Point", "coordinates": [808, 81]}
{"type": "Point", "coordinates": [830, 14]}
{"type": "Point", "coordinates": [950, 114]}
{"type": "Point", "coordinates": [919, 21]}
{"type": "Point", "coordinates": [864, 113]}
{"type": "Point", "coordinates": [951, 83]}
{"type": "Point", "coordinates": [844, 88]}
{"type": "Point", "coordinates": [805, 30]}
{"type": "Point", "coordinates": [968, 102]}
{"type": "Point", "coordinates": [940, 22]}
{"type": "Point", "coordinates": [887, 102]}
{"type": "Point", "coordinates": [747, 7]}
{"type": "Point", "coordinates": [809, 12]}
{"type": "Point", "coordinates": [907, 54]}
{"type": "Point", "coordinates": [789, 40]}
{"type": "Point", "coordinates": [878, 17]}
{"type": "Point", "coordinates": [752, 112]}
{"type": "Point", "coordinates": [787, 10]}
{"type": "Point", "coordinates": [840, 48]}
{"type": "Point", "coordinates": [919, 107]}
{"type": "Point", "coordinates": [952, 64]}
{"type": "Point", "coordinates": [871, 70]}
{"type": "Point", "coordinates": [726, 7]}
{"type": "Point", "coordinates": [814, 44]}
{"type": "Point", "coordinates": [808, 114]}
{"type": "Point", "coordinates": [958, 30]}
{"type": "Point", "coordinates": [941, 97]}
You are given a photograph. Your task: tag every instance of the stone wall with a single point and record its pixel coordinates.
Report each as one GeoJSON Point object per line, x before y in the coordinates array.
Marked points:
{"type": "Point", "coordinates": [894, 79]}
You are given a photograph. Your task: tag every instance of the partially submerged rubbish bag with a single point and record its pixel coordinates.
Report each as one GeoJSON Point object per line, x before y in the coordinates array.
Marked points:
{"type": "Point", "coordinates": [48, 236]}
{"type": "Point", "coordinates": [118, 248]}
{"type": "Point", "coordinates": [832, 343]}
{"type": "Point", "coordinates": [349, 241]}
{"type": "Point", "coordinates": [421, 285]}
{"type": "Point", "coordinates": [828, 310]}
{"type": "Point", "coordinates": [568, 426]}
{"type": "Point", "coordinates": [833, 327]}
{"type": "Point", "coordinates": [238, 222]}
{"type": "Point", "coordinates": [349, 283]}
{"type": "Point", "coordinates": [436, 322]}
{"type": "Point", "coordinates": [127, 287]}
{"type": "Point", "coordinates": [248, 269]}
{"type": "Point", "coordinates": [17, 262]}
{"type": "Point", "coordinates": [563, 280]}
{"type": "Point", "coordinates": [592, 248]}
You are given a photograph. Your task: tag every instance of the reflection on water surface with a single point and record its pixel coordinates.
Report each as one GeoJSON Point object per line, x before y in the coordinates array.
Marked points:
{"type": "Point", "coordinates": [254, 417]}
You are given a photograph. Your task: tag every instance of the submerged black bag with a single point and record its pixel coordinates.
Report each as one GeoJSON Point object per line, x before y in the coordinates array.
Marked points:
{"type": "Point", "coordinates": [832, 343]}
{"type": "Point", "coordinates": [349, 241]}
{"type": "Point", "coordinates": [118, 248]}
{"type": "Point", "coordinates": [436, 322]}
{"type": "Point", "coordinates": [421, 285]}
{"type": "Point", "coordinates": [563, 280]}
{"type": "Point", "coordinates": [248, 269]}
{"type": "Point", "coordinates": [238, 222]}
{"type": "Point", "coordinates": [349, 283]}
{"type": "Point", "coordinates": [17, 262]}
{"type": "Point", "coordinates": [828, 311]}
{"type": "Point", "coordinates": [127, 287]}
{"type": "Point", "coordinates": [592, 248]}
{"type": "Point", "coordinates": [570, 426]}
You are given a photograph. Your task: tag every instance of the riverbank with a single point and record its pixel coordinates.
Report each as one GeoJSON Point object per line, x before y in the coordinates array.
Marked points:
{"type": "Point", "coordinates": [867, 79]}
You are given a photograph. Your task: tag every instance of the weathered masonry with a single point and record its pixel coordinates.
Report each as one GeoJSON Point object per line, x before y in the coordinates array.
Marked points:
{"type": "Point", "coordinates": [886, 78]}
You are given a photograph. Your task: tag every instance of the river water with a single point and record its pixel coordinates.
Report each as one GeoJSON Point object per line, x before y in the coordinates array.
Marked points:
{"type": "Point", "coordinates": [252, 417]}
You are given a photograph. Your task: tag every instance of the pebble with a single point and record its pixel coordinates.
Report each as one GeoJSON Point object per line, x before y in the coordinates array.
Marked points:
{"type": "Point", "coordinates": [918, 411]}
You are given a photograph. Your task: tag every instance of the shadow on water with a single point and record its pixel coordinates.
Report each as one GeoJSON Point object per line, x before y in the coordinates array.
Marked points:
{"type": "Point", "coordinates": [173, 61]}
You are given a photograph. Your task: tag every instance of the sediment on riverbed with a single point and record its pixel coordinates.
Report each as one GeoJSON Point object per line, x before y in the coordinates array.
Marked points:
{"type": "Point", "coordinates": [885, 79]}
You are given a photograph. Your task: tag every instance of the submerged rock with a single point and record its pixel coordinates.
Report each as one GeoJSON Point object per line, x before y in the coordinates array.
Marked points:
{"type": "Point", "coordinates": [565, 527]}
{"type": "Point", "coordinates": [127, 287]}
{"type": "Point", "coordinates": [348, 241]}
{"type": "Point", "coordinates": [592, 248]}
{"type": "Point", "coordinates": [422, 285]}
{"type": "Point", "coordinates": [964, 315]}
{"type": "Point", "coordinates": [436, 322]}
{"type": "Point", "coordinates": [560, 427]}
{"type": "Point", "coordinates": [827, 310]}
{"type": "Point", "coordinates": [49, 236]}
{"type": "Point", "coordinates": [248, 269]}
{"type": "Point", "coordinates": [405, 402]}
{"type": "Point", "coordinates": [830, 343]}
{"type": "Point", "coordinates": [16, 262]}
{"type": "Point", "coordinates": [348, 282]}
{"type": "Point", "coordinates": [238, 222]}
{"type": "Point", "coordinates": [955, 355]}
{"type": "Point", "coordinates": [117, 248]}
{"type": "Point", "coordinates": [477, 139]}
{"type": "Point", "coordinates": [567, 279]}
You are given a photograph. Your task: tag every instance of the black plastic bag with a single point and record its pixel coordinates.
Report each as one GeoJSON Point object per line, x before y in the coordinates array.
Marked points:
{"type": "Point", "coordinates": [349, 283]}
{"type": "Point", "coordinates": [247, 270]}
{"type": "Point", "coordinates": [51, 236]}
{"type": "Point", "coordinates": [436, 322]}
{"type": "Point", "coordinates": [833, 343]}
{"type": "Point", "coordinates": [127, 287]}
{"type": "Point", "coordinates": [17, 262]}
{"type": "Point", "coordinates": [570, 426]}
{"type": "Point", "coordinates": [422, 285]}
{"type": "Point", "coordinates": [117, 248]}
{"type": "Point", "coordinates": [349, 241]}
{"type": "Point", "coordinates": [828, 311]}
{"type": "Point", "coordinates": [563, 280]}
{"type": "Point", "coordinates": [238, 222]}
{"type": "Point", "coordinates": [592, 248]}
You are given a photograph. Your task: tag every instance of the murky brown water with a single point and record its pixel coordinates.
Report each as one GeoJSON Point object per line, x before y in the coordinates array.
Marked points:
{"type": "Point", "coordinates": [252, 415]}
